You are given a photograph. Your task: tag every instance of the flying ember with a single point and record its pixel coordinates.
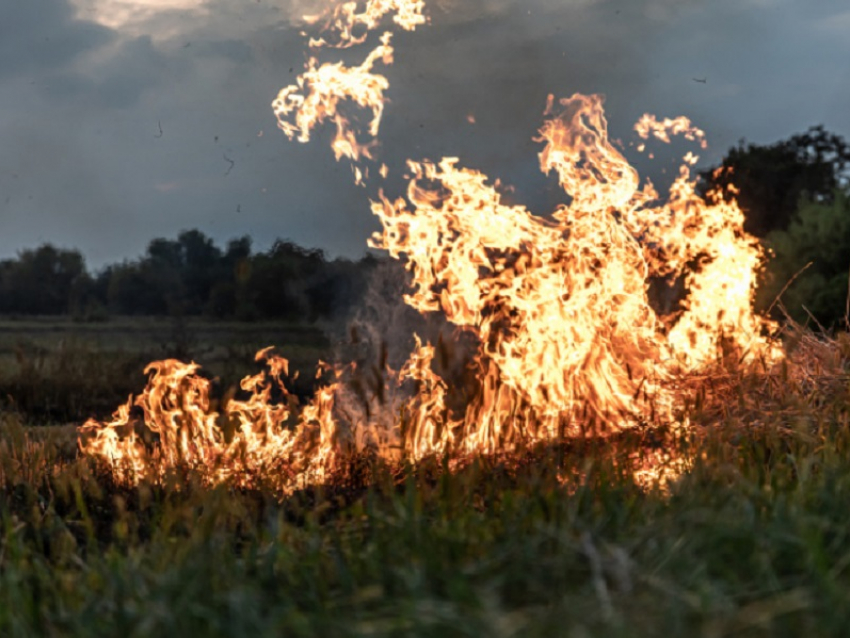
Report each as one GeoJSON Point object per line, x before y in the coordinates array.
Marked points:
{"type": "Point", "coordinates": [567, 340]}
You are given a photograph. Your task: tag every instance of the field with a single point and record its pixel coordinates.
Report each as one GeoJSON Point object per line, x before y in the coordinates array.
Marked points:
{"type": "Point", "coordinates": [54, 370]}
{"type": "Point", "coordinates": [568, 540]}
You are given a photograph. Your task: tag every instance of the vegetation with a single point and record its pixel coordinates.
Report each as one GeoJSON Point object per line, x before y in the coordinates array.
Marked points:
{"type": "Point", "coordinates": [753, 540]}
{"type": "Point", "coordinates": [813, 253]}
{"type": "Point", "coordinates": [774, 178]}
{"type": "Point", "coordinates": [185, 299]}
{"type": "Point", "coordinates": [576, 539]}
{"type": "Point", "coordinates": [188, 276]}
{"type": "Point", "coordinates": [56, 370]}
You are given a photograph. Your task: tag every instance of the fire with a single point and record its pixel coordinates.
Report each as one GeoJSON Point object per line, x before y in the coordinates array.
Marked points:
{"type": "Point", "coordinates": [561, 306]}
{"type": "Point", "coordinates": [568, 341]}
{"type": "Point", "coordinates": [344, 19]}
{"type": "Point", "coordinates": [180, 431]}
{"type": "Point", "coordinates": [322, 88]}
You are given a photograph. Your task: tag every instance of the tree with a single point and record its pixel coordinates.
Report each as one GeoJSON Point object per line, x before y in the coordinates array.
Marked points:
{"type": "Point", "coordinates": [773, 179]}
{"type": "Point", "coordinates": [137, 288]}
{"type": "Point", "coordinates": [201, 268]}
{"type": "Point", "coordinates": [186, 276]}
{"type": "Point", "coordinates": [280, 278]}
{"type": "Point", "coordinates": [818, 234]}
{"type": "Point", "coordinates": [340, 286]}
{"type": "Point", "coordinates": [174, 276]}
{"type": "Point", "coordinates": [40, 280]}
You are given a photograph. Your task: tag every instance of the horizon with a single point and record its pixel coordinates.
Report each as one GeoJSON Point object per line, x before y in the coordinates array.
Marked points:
{"type": "Point", "coordinates": [219, 244]}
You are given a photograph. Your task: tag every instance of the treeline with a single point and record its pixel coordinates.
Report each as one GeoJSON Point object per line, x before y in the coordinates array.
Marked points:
{"type": "Point", "coordinates": [189, 275]}
{"type": "Point", "coordinates": [795, 195]}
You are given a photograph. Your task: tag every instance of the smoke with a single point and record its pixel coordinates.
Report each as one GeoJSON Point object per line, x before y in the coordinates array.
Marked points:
{"type": "Point", "coordinates": [380, 336]}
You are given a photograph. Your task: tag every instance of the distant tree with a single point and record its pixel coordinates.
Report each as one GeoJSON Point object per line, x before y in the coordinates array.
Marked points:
{"type": "Point", "coordinates": [173, 277]}
{"type": "Point", "coordinates": [139, 289]}
{"type": "Point", "coordinates": [228, 296]}
{"type": "Point", "coordinates": [279, 280]}
{"type": "Point", "coordinates": [83, 302]}
{"type": "Point", "coordinates": [164, 253]}
{"type": "Point", "coordinates": [238, 252]}
{"type": "Point", "coordinates": [41, 280]}
{"type": "Point", "coordinates": [773, 179]}
{"type": "Point", "coordinates": [202, 267]}
{"type": "Point", "coordinates": [186, 276]}
{"type": "Point", "coordinates": [340, 287]}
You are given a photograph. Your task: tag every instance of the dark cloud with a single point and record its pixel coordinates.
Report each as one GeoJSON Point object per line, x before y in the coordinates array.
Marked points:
{"type": "Point", "coordinates": [39, 35]}
{"type": "Point", "coordinates": [236, 51]}
{"type": "Point", "coordinates": [118, 81]}
{"type": "Point", "coordinates": [93, 169]}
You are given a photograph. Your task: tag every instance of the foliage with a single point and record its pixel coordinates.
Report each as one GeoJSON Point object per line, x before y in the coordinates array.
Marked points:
{"type": "Point", "coordinates": [45, 281]}
{"type": "Point", "coordinates": [819, 234]}
{"type": "Point", "coordinates": [187, 276]}
{"type": "Point", "coordinates": [773, 178]}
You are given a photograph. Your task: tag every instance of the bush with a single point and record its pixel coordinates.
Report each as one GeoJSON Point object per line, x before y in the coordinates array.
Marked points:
{"type": "Point", "coordinates": [819, 234]}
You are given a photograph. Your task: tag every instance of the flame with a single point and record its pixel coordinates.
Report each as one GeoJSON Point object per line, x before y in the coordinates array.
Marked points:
{"type": "Point", "coordinates": [559, 305]}
{"type": "Point", "coordinates": [344, 19]}
{"type": "Point", "coordinates": [183, 433]}
{"type": "Point", "coordinates": [648, 126]}
{"type": "Point", "coordinates": [319, 92]}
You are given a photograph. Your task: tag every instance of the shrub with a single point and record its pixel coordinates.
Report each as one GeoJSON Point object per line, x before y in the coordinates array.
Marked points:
{"type": "Point", "coordinates": [819, 234]}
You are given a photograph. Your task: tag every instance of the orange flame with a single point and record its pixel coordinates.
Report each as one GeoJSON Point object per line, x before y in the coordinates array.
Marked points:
{"type": "Point", "coordinates": [320, 91]}
{"type": "Point", "coordinates": [568, 340]}
{"type": "Point", "coordinates": [187, 434]}
{"type": "Point", "coordinates": [345, 19]}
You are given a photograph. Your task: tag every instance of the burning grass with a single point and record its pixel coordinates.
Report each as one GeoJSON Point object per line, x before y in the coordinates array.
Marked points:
{"type": "Point", "coordinates": [593, 466]}
{"type": "Point", "coordinates": [556, 540]}
{"type": "Point", "coordinates": [566, 341]}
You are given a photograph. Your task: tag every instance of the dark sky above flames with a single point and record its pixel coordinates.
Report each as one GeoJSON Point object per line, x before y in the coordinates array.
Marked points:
{"type": "Point", "coordinates": [120, 118]}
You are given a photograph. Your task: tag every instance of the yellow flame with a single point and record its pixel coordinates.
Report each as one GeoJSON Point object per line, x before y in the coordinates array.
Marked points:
{"type": "Point", "coordinates": [559, 306]}
{"type": "Point", "coordinates": [345, 19]}
{"type": "Point", "coordinates": [320, 91]}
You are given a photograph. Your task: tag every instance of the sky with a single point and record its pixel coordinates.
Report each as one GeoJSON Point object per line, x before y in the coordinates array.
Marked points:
{"type": "Point", "coordinates": [126, 120]}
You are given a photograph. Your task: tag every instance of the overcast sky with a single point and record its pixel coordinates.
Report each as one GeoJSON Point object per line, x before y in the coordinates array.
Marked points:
{"type": "Point", "coordinates": [117, 115]}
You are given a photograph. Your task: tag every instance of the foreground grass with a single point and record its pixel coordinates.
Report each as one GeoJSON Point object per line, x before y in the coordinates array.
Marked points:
{"type": "Point", "coordinates": [753, 540]}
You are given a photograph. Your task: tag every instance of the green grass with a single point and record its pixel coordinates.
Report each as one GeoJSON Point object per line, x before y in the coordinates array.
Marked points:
{"type": "Point", "coordinates": [753, 541]}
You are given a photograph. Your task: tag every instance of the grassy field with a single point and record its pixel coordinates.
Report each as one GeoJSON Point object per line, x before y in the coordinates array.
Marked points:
{"type": "Point", "coordinates": [753, 540]}
{"type": "Point", "coordinates": [55, 370]}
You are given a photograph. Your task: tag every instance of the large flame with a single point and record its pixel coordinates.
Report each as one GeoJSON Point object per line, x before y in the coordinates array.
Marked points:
{"type": "Point", "coordinates": [559, 306]}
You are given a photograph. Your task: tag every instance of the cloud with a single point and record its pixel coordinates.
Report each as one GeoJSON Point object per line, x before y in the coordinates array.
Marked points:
{"type": "Point", "coordinates": [116, 80]}
{"type": "Point", "coordinates": [41, 35]}
{"type": "Point", "coordinates": [134, 17]}
{"type": "Point", "coordinates": [85, 139]}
